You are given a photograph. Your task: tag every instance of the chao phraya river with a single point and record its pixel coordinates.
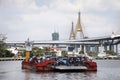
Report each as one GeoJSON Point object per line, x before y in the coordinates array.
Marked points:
{"type": "Point", "coordinates": [107, 70]}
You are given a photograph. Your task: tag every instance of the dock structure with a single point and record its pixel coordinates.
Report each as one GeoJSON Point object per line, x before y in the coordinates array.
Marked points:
{"type": "Point", "coordinates": [11, 59]}
{"type": "Point", "coordinates": [63, 68]}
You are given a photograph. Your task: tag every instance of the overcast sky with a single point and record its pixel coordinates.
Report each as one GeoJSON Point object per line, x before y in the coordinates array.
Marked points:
{"type": "Point", "coordinates": [38, 19]}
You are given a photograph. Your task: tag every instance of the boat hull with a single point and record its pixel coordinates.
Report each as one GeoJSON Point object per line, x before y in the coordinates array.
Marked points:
{"type": "Point", "coordinates": [49, 66]}
{"type": "Point", "coordinates": [43, 66]}
{"type": "Point", "coordinates": [91, 66]}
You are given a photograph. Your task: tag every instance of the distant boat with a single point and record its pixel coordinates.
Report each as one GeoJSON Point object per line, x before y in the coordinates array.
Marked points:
{"type": "Point", "coordinates": [102, 55]}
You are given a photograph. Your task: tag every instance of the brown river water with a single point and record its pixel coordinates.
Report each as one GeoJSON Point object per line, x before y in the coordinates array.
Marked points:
{"type": "Point", "coordinates": [107, 70]}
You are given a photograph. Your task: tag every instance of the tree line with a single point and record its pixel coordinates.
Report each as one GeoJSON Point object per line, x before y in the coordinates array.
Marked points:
{"type": "Point", "coordinates": [3, 47]}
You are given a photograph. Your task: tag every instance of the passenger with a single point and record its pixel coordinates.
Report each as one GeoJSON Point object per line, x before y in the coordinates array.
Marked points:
{"type": "Point", "coordinates": [67, 62]}
{"type": "Point", "coordinates": [30, 59]}
{"type": "Point", "coordinates": [80, 58]}
{"type": "Point", "coordinates": [35, 60]}
{"type": "Point", "coordinates": [47, 58]}
{"type": "Point", "coordinates": [83, 58]}
{"type": "Point", "coordinates": [76, 63]}
{"type": "Point", "coordinates": [57, 63]}
{"type": "Point", "coordinates": [70, 61]}
{"type": "Point", "coordinates": [41, 59]}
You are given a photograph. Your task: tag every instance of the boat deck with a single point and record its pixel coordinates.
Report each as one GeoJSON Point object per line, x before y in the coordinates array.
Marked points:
{"type": "Point", "coordinates": [70, 68]}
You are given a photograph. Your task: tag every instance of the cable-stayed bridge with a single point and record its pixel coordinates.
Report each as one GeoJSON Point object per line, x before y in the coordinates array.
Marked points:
{"type": "Point", "coordinates": [107, 42]}
{"type": "Point", "coordinates": [89, 41]}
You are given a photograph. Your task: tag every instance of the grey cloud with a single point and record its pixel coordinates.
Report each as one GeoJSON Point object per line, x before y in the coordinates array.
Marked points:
{"type": "Point", "coordinates": [35, 18]}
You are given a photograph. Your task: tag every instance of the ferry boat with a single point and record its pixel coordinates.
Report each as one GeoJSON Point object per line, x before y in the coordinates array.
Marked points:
{"type": "Point", "coordinates": [60, 64]}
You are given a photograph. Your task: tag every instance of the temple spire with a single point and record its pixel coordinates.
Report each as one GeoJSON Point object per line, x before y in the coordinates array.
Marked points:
{"type": "Point", "coordinates": [79, 27]}
{"type": "Point", "coordinates": [72, 33]}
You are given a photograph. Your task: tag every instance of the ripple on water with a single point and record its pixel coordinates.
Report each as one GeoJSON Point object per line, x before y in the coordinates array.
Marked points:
{"type": "Point", "coordinates": [107, 70]}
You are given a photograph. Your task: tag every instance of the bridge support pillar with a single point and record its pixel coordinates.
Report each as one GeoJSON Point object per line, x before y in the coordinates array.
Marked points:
{"type": "Point", "coordinates": [101, 50]}
{"type": "Point", "coordinates": [85, 49]}
{"type": "Point", "coordinates": [117, 48]}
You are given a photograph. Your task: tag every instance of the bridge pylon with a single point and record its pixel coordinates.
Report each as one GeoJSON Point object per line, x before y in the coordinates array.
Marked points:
{"type": "Point", "coordinates": [72, 33]}
{"type": "Point", "coordinates": [79, 28]}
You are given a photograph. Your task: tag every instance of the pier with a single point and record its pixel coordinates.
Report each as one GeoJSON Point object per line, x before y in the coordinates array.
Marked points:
{"type": "Point", "coordinates": [11, 59]}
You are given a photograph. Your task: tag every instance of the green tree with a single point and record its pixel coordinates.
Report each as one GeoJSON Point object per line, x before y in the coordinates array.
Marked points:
{"type": "Point", "coordinates": [37, 51]}
{"type": "Point", "coordinates": [8, 53]}
{"type": "Point", "coordinates": [53, 53]}
{"type": "Point", "coordinates": [22, 53]}
{"type": "Point", "coordinates": [93, 54]}
{"type": "Point", "coordinates": [81, 52]}
{"type": "Point", "coordinates": [64, 53]}
{"type": "Point", "coordinates": [2, 45]}
{"type": "Point", "coordinates": [110, 52]}
{"type": "Point", "coordinates": [47, 50]}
